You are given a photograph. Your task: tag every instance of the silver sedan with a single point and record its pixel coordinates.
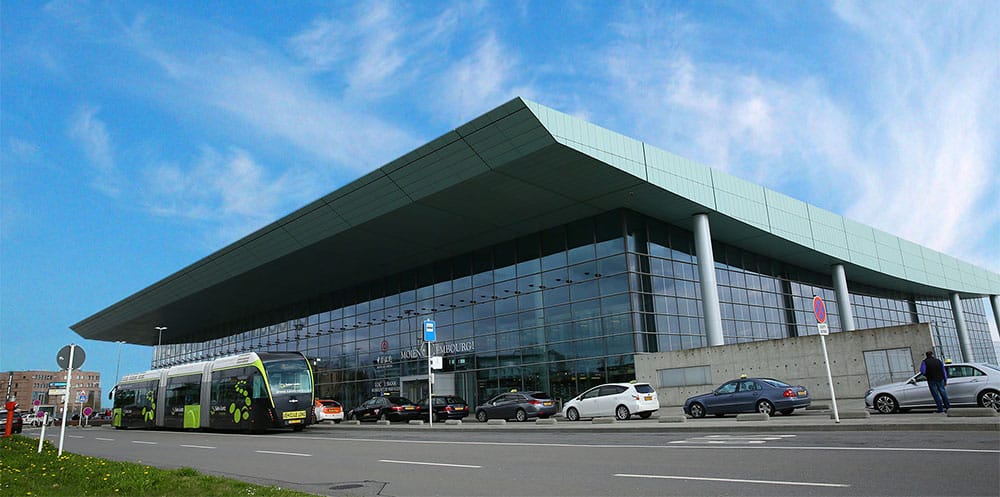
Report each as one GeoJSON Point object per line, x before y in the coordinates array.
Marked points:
{"type": "Point", "coordinates": [969, 384]}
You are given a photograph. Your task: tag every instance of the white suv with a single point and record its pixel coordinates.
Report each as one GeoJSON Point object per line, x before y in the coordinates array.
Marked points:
{"type": "Point", "coordinates": [620, 400]}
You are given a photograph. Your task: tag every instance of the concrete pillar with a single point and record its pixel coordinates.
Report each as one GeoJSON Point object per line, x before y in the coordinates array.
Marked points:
{"type": "Point", "coordinates": [706, 272]}
{"type": "Point", "coordinates": [995, 302]}
{"type": "Point", "coordinates": [963, 332]}
{"type": "Point", "coordinates": [843, 298]}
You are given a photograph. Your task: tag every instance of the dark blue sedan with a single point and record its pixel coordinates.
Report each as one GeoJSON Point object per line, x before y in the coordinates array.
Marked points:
{"type": "Point", "coordinates": [763, 395]}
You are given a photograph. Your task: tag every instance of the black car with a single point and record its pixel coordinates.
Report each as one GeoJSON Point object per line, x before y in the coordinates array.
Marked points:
{"type": "Point", "coordinates": [518, 406]}
{"type": "Point", "coordinates": [382, 408]}
{"type": "Point", "coordinates": [445, 407]}
{"type": "Point", "coordinates": [15, 426]}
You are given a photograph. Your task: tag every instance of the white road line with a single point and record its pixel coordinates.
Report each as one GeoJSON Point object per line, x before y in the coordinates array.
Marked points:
{"type": "Point", "coordinates": [105, 439]}
{"type": "Point", "coordinates": [197, 446]}
{"type": "Point", "coordinates": [736, 480]}
{"type": "Point", "coordinates": [144, 442]}
{"type": "Point", "coordinates": [430, 463]}
{"type": "Point", "coordinates": [74, 436]}
{"type": "Point", "coordinates": [282, 453]}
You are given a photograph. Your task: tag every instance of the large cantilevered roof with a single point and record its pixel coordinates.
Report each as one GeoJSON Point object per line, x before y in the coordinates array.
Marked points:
{"type": "Point", "coordinates": [516, 170]}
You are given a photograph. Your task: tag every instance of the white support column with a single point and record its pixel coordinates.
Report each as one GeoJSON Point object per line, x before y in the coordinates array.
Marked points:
{"type": "Point", "coordinates": [706, 272]}
{"type": "Point", "coordinates": [995, 302]}
{"type": "Point", "coordinates": [963, 332]}
{"type": "Point", "coordinates": [843, 298]}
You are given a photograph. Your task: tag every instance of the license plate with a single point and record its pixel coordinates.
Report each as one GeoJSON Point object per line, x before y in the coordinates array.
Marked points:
{"type": "Point", "coordinates": [408, 408]}
{"type": "Point", "coordinates": [294, 421]}
{"type": "Point", "coordinates": [802, 393]}
{"type": "Point", "coordinates": [649, 397]}
{"type": "Point", "coordinates": [546, 404]}
{"type": "Point", "coordinates": [293, 415]}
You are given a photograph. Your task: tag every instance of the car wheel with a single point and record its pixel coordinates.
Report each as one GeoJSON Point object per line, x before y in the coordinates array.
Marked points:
{"type": "Point", "coordinates": [336, 421]}
{"type": "Point", "coordinates": [886, 404]}
{"type": "Point", "coordinates": [572, 414]}
{"type": "Point", "coordinates": [621, 413]}
{"type": "Point", "coordinates": [697, 410]}
{"type": "Point", "coordinates": [645, 415]}
{"type": "Point", "coordinates": [482, 417]}
{"type": "Point", "coordinates": [765, 407]}
{"type": "Point", "coordinates": [521, 416]}
{"type": "Point", "coordinates": [990, 398]}
{"type": "Point", "coordinates": [787, 412]}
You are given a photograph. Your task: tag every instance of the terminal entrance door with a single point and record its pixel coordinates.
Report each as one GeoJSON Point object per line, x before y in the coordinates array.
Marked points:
{"type": "Point", "coordinates": [415, 387]}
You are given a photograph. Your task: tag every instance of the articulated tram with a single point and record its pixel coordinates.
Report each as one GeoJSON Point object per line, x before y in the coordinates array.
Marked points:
{"type": "Point", "coordinates": [254, 391]}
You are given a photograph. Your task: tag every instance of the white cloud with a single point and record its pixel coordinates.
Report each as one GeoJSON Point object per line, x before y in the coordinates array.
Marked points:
{"type": "Point", "coordinates": [92, 135]}
{"type": "Point", "coordinates": [479, 81]}
{"type": "Point", "coordinates": [228, 190]}
{"type": "Point", "coordinates": [912, 152]}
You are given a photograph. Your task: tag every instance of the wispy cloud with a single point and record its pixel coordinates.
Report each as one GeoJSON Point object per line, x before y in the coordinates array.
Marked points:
{"type": "Point", "coordinates": [229, 190]}
{"type": "Point", "coordinates": [920, 160]}
{"type": "Point", "coordinates": [92, 135]}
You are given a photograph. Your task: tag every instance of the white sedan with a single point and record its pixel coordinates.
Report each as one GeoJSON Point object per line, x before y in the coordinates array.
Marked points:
{"type": "Point", "coordinates": [969, 384]}
{"type": "Point", "coordinates": [35, 419]}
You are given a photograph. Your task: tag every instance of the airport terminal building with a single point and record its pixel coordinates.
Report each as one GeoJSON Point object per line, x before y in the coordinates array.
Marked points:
{"type": "Point", "coordinates": [550, 252]}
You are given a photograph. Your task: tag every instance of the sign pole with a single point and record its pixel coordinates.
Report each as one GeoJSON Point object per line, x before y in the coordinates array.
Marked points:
{"type": "Point", "coordinates": [430, 395]}
{"type": "Point", "coordinates": [829, 379]}
{"type": "Point", "coordinates": [69, 381]}
{"type": "Point", "coordinates": [819, 309]}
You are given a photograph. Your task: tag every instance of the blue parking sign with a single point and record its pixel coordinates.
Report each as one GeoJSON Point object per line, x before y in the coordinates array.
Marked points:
{"type": "Point", "coordinates": [429, 334]}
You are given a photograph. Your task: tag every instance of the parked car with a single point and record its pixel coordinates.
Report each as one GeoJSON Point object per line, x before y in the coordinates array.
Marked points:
{"type": "Point", "coordinates": [620, 400]}
{"type": "Point", "coordinates": [16, 425]}
{"type": "Point", "coordinates": [519, 406]}
{"type": "Point", "coordinates": [328, 409]}
{"type": "Point", "coordinates": [445, 407]}
{"type": "Point", "coordinates": [35, 419]}
{"type": "Point", "coordinates": [764, 395]}
{"type": "Point", "coordinates": [389, 407]}
{"type": "Point", "coordinates": [969, 384]}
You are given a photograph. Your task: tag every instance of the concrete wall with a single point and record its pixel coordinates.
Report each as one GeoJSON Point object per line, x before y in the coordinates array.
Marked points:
{"type": "Point", "coordinates": [798, 361]}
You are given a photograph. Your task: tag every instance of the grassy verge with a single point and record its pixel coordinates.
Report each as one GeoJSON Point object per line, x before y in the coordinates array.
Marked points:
{"type": "Point", "coordinates": [23, 471]}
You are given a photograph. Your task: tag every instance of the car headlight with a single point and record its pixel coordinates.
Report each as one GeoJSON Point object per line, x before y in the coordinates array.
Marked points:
{"type": "Point", "coordinates": [869, 392]}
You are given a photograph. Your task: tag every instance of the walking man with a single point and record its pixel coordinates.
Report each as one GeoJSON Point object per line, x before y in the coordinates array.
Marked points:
{"type": "Point", "coordinates": [937, 380]}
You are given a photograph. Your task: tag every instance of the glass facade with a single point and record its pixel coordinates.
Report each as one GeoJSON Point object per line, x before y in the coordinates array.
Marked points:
{"type": "Point", "coordinates": [562, 310]}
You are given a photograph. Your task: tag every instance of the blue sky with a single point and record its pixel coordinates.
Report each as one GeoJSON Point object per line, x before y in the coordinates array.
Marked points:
{"type": "Point", "coordinates": [139, 137]}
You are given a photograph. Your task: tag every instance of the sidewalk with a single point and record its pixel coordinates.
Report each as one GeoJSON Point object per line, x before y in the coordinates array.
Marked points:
{"type": "Point", "coordinates": [671, 419]}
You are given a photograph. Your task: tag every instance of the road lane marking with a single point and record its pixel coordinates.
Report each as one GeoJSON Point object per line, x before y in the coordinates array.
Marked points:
{"type": "Point", "coordinates": [105, 439]}
{"type": "Point", "coordinates": [282, 453]}
{"type": "Point", "coordinates": [198, 446]}
{"type": "Point", "coordinates": [736, 480]}
{"type": "Point", "coordinates": [421, 463]}
{"type": "Point", "coordinates": [74, 436]}
{"type": "Point", "coordinates": [144, 442]}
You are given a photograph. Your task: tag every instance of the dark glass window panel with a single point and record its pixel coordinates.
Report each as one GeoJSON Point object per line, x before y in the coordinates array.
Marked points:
{"type": "Point", "coordinates": [558, 314]}
{"type": "Point", "coordinates": [557, 333]}
{"type": "Point", "coordinates": [504, 259]}
{"type": "Point", "coordinates": [590, 348]}
{"type": "Point", "coordinates": [555, 277]}
{"type": "Point", "coordinates": [531, 300]}
{"type": "Point", "coordinates": [530, 319]}
{"type": "Point", "coordinates": [580, 239]}
{"type": "Point", "coordinates": [620, 344]}
{"type": "Point", "coordinates": [585, 290]}
{"type": "Point", "coordinates": [586, 309]}
{"type": "Point", "coordinates": [486, 326]}
{"type": "Point", "coordinates": [557, 295]}
{"type": "Point", "coordinates": [609, 234]}
{"type": "Point", "coordinates": [610, 285]}
{"type": "Point", "coordinates": [463, 313]}
{"type": "Point", "coordinates": [621, 323]}
{"type": "Point", "coordinates": [612, 265]}
{"type": "Point", "coordinates": [506, 305]}
{"type": "Point", "coordinates": [582, 272]}
{"type": "Point", "coordinates": [486, 344]}
{"type": "Point", "coordinates": [533, 336]}
{"type": "Point", "coordinates": [484, 309]}
{"type": "Point", "coordinates": [507, 322]}
{"type": "Point", "coordinates": [560, 350]}
{"type": "Point", "coordinates": [615, 304]}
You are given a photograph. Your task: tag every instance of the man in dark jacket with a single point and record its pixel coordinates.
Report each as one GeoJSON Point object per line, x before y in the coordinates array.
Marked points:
{"type": "Point", "coordinates": [937, 380]}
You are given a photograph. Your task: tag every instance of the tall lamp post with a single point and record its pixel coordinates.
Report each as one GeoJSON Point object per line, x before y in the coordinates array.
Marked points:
{"type": "Point", "coordinates": [159, 340]}
{"type": "Point", "coordinates": [119, 363]}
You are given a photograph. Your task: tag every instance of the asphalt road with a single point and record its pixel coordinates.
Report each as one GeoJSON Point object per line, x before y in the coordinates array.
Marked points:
{"type": "Point", "coordinates": [366, 461]}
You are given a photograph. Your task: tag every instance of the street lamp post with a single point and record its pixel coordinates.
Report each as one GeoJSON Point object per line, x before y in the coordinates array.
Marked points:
{"type": "Point", "coordinates": [159, 341]}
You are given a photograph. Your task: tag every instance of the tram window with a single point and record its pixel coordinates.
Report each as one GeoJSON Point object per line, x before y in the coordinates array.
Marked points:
{"type": "Point", "coordinates": [259, 389]}
{"type": "Point", "coordinates": [124, 396]}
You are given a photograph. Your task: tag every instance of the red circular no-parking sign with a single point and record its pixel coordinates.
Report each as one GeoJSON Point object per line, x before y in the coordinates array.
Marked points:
{"type": "Point", "coordinates": [819, 309]}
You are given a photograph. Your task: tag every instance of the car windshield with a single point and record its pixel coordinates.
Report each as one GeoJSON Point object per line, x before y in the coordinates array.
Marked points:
{"type": "Point", "coordinates": [994, 367]}
{"type": "Point", "coordinates": [454, 400]}
{"type": "Point", "coordinates": [330, 403]}
{"type": "Point", "coordinates": [644, 388]}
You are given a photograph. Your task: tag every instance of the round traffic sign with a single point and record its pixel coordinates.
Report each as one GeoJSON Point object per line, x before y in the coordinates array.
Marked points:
{"type": "Point", "coordinates": [62, 358]}
{"type": "Point", "coordinates": [819, 309]}
{"type": "Point", "coordinates": [87, 411]}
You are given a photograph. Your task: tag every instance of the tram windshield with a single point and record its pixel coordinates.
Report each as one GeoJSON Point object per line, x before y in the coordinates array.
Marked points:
{"type": "Point", "coordinates": [288, 376]}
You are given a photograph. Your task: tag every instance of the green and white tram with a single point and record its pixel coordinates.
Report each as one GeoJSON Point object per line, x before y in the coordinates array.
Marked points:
{"type": "Point", "coordinates": [254, 391]}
